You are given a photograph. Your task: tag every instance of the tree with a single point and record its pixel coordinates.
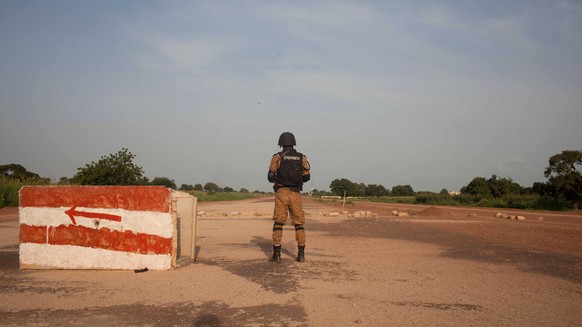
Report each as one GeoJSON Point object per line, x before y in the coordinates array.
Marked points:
{"type": "Point", "coordinates": [16, 172]}
{"type": "Point", "coordinates": [243, 190]}
{"type": "Point", "coordinates": [317, 192]}
{"type": "Point", "coordinates": [542, 189]}
{"type": "Point", "coordinates": [478, 186]}
{"type": "Point", "coordinates": [360, 189]}
{"type": "Point", "coordinates": [116, 169]}
{"type": "Point", "coordinates": [493, 187]}
{"type": "Point", "coordinates": [375, 190]}
{"type": "Point", "coordinates": [444, 192]}
{"type": "Point", "coordinates": [186, 187]}
{"type": "Point", "coordinates": [211, 187]}
{"type": "Point", "coordinates": [564, 177]}
{"type": "Point", "coordinates": [65, 181]}
{"type": "Point", "coordinates": [164, 181]}
{"type": "Point", "coordinates": [402, 190]}
{"type": "Point", "coordinates": [500, 187]}
{"type": "Point", "coordinates": [198, 187]}
{"type": "Point", "coordinates": [339, 186]}
{"type": "Point", "coordinates": [228, 189]}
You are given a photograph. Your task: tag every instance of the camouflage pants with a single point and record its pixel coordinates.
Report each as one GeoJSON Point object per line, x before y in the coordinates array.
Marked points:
{"type": "Point", "coordinates": [288, 203]}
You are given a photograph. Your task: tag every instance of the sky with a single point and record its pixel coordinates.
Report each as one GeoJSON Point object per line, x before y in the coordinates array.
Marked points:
{"type": "Point", "coordinates": [424, 93]}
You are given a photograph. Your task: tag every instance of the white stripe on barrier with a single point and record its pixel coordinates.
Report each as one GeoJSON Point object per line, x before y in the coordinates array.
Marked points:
{"type": "Point", "coordinates": [146, 222]}
{"type": "Point", "coordinates": [76, 257]}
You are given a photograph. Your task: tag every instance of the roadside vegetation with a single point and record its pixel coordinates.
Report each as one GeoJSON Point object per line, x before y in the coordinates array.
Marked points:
{"type": "Point", "coordinates": [562, 190]}
{"type": "Point", "coordinates": [203, 196]}
{"type": "Point", "coordinates": [9, 188]}
{"type": "Point", "coordinates": [12, 178]}
{"type": "Point", "coordinates": [114, 169]}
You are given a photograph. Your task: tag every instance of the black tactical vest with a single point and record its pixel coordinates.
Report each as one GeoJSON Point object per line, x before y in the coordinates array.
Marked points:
{"type": "Point", "coordinates": [290, 169]}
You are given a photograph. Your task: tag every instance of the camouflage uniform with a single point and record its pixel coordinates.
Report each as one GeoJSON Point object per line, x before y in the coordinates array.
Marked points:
{"type": "Point", "coordinates": [288, 170]}
{"type": "Point", "coordinates": [288, 202]}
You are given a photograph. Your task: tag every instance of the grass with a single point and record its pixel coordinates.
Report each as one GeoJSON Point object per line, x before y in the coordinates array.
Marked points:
{"type": "Point", "coordinates": [224, 196]}
{"type": "Point", "coordinates": [392, 199]}
{"type": "Point", "coordinates": [9, 190]}
{"type": "Point", "coordinates": [529, 202]}
{"type": "Point", "coordinates": [9, 198]}
{"type": "Point", "coordinates": [9, 193]}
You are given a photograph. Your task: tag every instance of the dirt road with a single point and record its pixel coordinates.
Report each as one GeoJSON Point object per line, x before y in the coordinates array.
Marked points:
{"type": "Point", "coordinates": [437, 266]}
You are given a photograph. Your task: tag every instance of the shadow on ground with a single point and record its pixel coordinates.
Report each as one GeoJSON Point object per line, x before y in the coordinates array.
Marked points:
{"type": "Point", "coordinates": [9, 259]}
{"type": "Point", "coordinates": [283, 277]}
{"type": "Point", "coordinates": [177, 314]}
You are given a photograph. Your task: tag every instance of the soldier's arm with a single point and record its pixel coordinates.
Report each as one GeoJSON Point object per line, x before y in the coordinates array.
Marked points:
{"type": "Point", "coordinates": [273, 167]}
{"type": "Point", "coordinates": [306, 175]}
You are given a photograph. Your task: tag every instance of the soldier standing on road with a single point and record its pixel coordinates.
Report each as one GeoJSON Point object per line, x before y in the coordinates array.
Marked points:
{"type": "Point", "coordinates": [288, 171]}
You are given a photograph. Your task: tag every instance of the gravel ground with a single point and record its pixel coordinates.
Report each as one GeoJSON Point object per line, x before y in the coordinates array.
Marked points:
{"type": "Point", "coordinates": [454, 267]}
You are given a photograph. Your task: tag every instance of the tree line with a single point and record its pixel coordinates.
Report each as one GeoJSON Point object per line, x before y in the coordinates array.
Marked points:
{"type": "Point", "coordinates": [492, 187]}
{"type": "Point", "coordinates": [119, 169]}
{"type": "Point", "coordinates": [346, 187]}
{"type": "Point", "coordinates": [564, 182]}
{"type": "Point", "coordinates": [113, 169]}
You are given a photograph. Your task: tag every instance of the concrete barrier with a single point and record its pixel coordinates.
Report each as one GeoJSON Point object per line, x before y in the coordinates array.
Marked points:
{"type": "Point", "coordinates": [100, 227]}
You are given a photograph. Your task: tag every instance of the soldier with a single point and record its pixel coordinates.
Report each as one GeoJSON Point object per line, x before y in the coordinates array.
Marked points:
{"type": "Point", "coordinates": [288, 171]}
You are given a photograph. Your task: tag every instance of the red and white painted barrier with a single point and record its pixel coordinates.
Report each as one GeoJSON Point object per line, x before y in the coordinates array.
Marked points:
{"type": "Point", "coordinates": [96, 227]}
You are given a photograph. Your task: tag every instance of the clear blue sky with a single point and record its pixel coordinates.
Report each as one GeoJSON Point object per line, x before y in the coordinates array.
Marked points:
{"type": "Point", "coordinates": [425, 93]}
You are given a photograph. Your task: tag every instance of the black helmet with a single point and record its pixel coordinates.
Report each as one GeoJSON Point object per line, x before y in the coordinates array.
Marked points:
{"type": "Point", "coordinates": [286, 139]}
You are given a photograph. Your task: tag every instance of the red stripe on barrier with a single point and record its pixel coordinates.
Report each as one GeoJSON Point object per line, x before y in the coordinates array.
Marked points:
{"type": "Point", "coordinates": [102, 238]}
{"type": "Point", "coordinates": [33, 234]}
{"type": "Point", "coordinates": [135, 198]}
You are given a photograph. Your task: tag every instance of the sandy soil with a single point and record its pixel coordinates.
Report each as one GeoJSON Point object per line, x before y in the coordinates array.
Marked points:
{"type": "Point", "coordinates": [454, 267]}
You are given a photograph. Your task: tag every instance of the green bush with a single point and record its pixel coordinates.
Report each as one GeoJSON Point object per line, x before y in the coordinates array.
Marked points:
{"type": "Point", "coordinates": [437, 199]}
{"type": "Point", "coordinates": [524, 201]}
{"type": "Point", "coordinates": [492, 203]}
{"type": "Point", "coordinates": [223, 196]}
{"type": "Point", "coordinates": [392, 199]}
{"type": "Point", "coordinates": [446, 199]}
{"type": "Point", "coordinates": [544, 203]}
{"type": "Point", "coordinates": [9, 195]}
{"type": "Point", "coordinates": [515, 201]}
{"type": "Point", "coordinates": [9, 189]}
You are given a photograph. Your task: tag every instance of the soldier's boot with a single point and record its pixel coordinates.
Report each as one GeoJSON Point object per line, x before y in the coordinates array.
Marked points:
{"type": "Point", "coordinates": [301, 253]}
{"type": "Point", "coordinates": [276, 254]}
